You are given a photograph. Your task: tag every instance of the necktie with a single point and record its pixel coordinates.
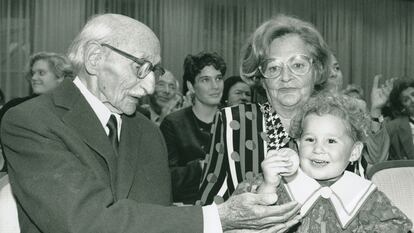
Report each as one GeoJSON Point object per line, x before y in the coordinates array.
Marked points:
{"type": "Point", "coordinates": [113, 131]}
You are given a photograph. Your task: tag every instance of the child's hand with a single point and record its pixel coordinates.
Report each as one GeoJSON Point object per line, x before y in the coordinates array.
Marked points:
{"type": "Point", "coordinates": [284, 162]}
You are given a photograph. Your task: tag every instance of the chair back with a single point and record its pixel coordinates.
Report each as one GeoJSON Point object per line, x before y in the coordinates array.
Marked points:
{"type": "Point", "coordinates": [396, 180]}
{"type": "Point", "coordinates": [9, 221]}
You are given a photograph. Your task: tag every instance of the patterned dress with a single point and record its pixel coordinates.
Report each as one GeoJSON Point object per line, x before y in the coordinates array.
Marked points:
{"type": "Point", "coordinates": [350, 204]}
{"type": "Point", "coordinates": [242, 136]}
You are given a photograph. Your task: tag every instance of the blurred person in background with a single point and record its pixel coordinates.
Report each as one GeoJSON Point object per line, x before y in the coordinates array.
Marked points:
{"type": "Point", "coordinates": [45, 72]}
{"type": "Point", "coordinates": [394, 108]}
{"type": "Point", "coordinates": [236, 91]}
{"type": "Point", "coordinates": [335, 78]}
{"type": "Point", "coordinates": [165, 99]}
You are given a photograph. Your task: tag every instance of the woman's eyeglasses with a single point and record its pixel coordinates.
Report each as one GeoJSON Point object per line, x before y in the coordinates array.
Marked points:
{"type": "Point", "coordinates": [297, 64]}
{"type": "Point", "coordinates": [145, 66]}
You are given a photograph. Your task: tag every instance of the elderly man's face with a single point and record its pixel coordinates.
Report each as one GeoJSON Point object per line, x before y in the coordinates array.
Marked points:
{"type": "Point", "coordinates": [120, 88]}
{"type": "Point", "coordinates": [165, 89]}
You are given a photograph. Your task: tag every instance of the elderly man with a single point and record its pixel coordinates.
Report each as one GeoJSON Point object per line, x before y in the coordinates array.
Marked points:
{"type": "Point", "coordinates": [165, 98]}
{"type": "Point", "coordinates": [81, 160]}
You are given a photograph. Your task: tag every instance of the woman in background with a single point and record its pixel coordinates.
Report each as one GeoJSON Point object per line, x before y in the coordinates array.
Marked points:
{"type": "Point", "coordinates": [187, 132]}
{"type": "Point", "coordinates": [335, 78]}
{"type": "Point", "coordinates": [236, 91]}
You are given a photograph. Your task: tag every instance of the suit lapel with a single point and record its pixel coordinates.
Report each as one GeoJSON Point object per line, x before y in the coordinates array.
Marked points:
{"type": "Point", "coordinates": [128, 154]}
{"type": "Point", "coordinates": [83, 120]}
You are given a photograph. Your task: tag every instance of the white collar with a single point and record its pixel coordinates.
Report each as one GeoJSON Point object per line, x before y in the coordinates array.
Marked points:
{"type": "Point", "coordinates": [101, 111]}
{"type": "Point", "coordinates": [346, 195]}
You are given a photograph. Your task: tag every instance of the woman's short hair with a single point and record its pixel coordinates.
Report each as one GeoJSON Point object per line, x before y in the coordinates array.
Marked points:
{"type": "Point", "coordinates": [58, 64]}
{"type": "Point", "coordinates": [228, 83]}
{"type": "Point", "coordinates": [357, 120]}
{"type": "Point", "coordinates": [193, 64]}
{"type": "Point", "coordinates": [394, 105]}
{"type": "Point", "coordinates": [255, 50]}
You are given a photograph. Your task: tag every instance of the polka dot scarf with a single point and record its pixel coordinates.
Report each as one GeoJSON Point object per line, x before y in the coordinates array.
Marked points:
{"type": "Point", "coordinates": [278, 137]}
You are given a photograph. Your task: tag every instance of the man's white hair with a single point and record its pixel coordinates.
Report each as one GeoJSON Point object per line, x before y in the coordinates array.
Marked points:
{"type": "Point", "coordinates": [117, 30]}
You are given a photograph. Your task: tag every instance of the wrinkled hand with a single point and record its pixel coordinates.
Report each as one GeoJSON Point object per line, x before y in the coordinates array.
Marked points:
{"type": "Point", "coordinates": [380, 94]}
{"type": "Point", "coordinates": [257, 212]}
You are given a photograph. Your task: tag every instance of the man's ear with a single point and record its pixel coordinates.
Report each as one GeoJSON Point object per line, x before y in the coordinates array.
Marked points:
{"type": "Point", "coordinates": [190, 86]}
{"type": "Point", "coordinates": [93, 55]}
{"type": "Point", "coordinates": [356, 151]}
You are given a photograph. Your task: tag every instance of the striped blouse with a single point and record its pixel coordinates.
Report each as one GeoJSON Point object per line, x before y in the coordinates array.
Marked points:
{"type": "Point", "coordinates": [239, 145]}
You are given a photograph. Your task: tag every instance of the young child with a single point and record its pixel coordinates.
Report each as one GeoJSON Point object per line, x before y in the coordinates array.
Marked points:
{"type": "Point", "coordinates": [330, 130]}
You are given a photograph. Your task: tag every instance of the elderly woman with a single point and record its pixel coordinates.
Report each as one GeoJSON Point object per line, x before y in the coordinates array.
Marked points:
{"type": "Point", "coordinates": [236, 91]}
{"type": "Point", "coordinates": [187, 132]}
{"type": "Point", "coordinates": [289, 58]}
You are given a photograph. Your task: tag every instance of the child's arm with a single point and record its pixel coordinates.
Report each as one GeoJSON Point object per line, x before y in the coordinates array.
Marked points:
{"type": "Point", "coordinates": [283, 162]}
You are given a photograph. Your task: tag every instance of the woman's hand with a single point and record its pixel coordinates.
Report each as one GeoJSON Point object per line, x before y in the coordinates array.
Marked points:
{"type": "Point", "coordinates": [380, 94]}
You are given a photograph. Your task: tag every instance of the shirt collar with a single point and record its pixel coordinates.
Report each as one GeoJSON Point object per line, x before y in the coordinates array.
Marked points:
{"type": "Point", "coordinates": [345, 200]}
{"type": "Point", "coordinates": [101, 111]}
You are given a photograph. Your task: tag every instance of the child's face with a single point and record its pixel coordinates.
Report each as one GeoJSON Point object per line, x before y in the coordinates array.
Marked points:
{"type": "Point", "coordinates": [325, 148]}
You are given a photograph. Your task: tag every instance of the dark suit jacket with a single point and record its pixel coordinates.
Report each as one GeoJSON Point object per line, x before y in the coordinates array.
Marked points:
{"type": "Point", "coordinates": [67, 178]}
{"type": "Point", "coordinates": [401, 139]}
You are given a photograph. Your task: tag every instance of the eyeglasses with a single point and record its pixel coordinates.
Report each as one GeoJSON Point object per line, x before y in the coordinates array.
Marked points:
{"type": "Point", "coordinates": [298, 64]}
{"type": "Point", "coordinates": [145, 66]}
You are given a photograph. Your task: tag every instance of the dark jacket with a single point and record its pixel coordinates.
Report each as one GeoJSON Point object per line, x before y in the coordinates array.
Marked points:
{"type": "Point", "coordinates": [66, 176]}
{"type": "Point", "coordinates": [188, 141]}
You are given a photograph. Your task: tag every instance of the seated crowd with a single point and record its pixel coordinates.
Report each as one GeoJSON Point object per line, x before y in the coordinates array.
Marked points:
{"type": "Point", "coordinates": [259, 151]}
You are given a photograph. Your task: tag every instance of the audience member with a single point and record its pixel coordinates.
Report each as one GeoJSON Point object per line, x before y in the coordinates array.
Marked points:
{"type": "Point", "coordinates": [356, 92]}
{"type": "Point", "coordinates": [335, 78]}
{"type": "Point", "coordinates": [70, 171]}
{"type": "Point", "coordinates": [165, 99]}
{"type": "Point", "coordinates": [187, 132]}
{"type": "Point", "coordinates": [290, 58]}
{"type": "Point", "coordinates": [400, 120]}
{"type": "Point", "coordinates": [330, 130]}
{"type": "Point", "coordinates": [235, 92]}
{"type": "Point", "coordinates": [45, 72]}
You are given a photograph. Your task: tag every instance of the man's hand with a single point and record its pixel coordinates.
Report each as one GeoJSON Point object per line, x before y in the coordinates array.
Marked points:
{"type": "Point", "coordinates": [257, 212]}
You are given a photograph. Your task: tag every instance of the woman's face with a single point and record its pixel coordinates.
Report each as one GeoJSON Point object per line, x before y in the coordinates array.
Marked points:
{"type": "Point", "coordinates": [239, 93]}
{"type": "Point", "coordinates": [208, 86]}
{"type": "Point", "coordinates": [43, 79]}
{"type": "Point", "coordinates": [289, 91]}
{"type": "Point", "coordinates": [407, 100]}
{"type": "Point", "coordinates": [335, 79]}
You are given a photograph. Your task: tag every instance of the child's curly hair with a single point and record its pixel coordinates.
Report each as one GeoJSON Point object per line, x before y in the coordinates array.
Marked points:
{"type": "Point", "coordinates": [356, 120]}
